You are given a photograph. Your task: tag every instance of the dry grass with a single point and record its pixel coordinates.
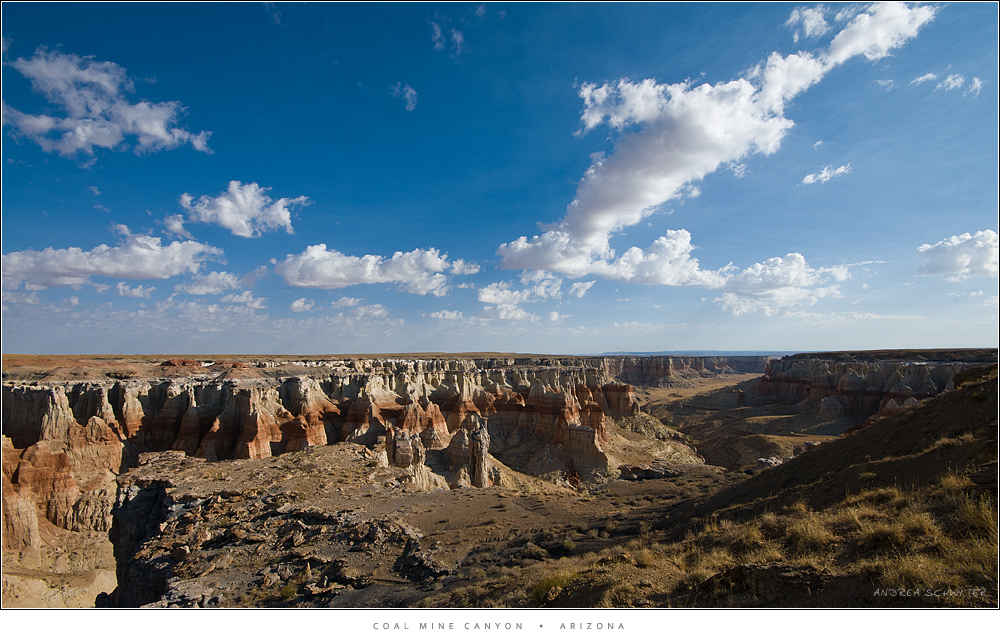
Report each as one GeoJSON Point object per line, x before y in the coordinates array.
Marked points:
{"type": "Point", "coordinates": [933, 537]}
{"type": "Point", "coordinates": [549, 587]}
{"type": "Point", "coordinates": [898, 537]}
{"type": "Point", "coordinates": [644, 558]}
{"type": "Point", "coordinates": [809, 534]}
{"type": "Point", "coordinates": [979, 517]}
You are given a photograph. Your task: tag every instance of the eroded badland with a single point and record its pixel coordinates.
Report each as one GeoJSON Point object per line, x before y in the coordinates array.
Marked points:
{"type": "Point", "coordinates": [840, 479]}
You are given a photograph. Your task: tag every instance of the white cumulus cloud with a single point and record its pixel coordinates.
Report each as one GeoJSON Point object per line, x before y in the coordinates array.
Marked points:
{"type": "Point", "coordinates": [97, 112]}
{"type": "Point", "coordinates": [924, 78]}
{"type": "Point", "coordinates": [245, 209]}
{"type": "Point", "coordinates": [961, 257]}
{"type": "Point", "coordinates": [302, 304]}
{"type": "Point", "coordinates": [418, 271]}
{"type": "Point", "coordinates": [508, 301]}
{"type": "Point", "coordinates": [136, 257]}
{"type": "Point", "coordinates": [879, 29]}
{"type": "Point", "coordinates": [778, 284]}
{"type": "Point", "coordinates": [670, 136]}
{"type": "Point", "coordinates": [579, 289]}
{"type": "Point", "coordinates": [174, 226]}
{"type": "Point", "coordinates": [462, 268]}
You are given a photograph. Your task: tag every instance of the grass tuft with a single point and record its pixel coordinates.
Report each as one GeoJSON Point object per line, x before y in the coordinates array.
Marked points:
{"type": "Point", "coordinates": [549, 587]}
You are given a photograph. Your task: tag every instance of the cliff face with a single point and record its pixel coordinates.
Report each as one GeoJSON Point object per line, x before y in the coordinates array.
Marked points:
{"type": "Point", "coordinates": [853, 390]}
{"type": "Point", "coordinates": [64, 443]}
{"type": "Point", "coordinates": [442, 419]}
{"type": "Point", "coordinates": [676, 371]}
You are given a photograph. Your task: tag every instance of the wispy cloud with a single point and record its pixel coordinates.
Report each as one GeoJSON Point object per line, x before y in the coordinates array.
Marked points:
{"type": "Point", "coordinates": [828, 173]}
{"type": "Point", "coordinates": [246, 298]}
{"type": "Point", "coordinates": [437, 37]}
{"type": "Point", "coordinates": [809, 22]}
{"type": "Point", "coordinates": [346, 302]}
{"type": "Point", "coordinates": [406, 93]}
{"type": "Point", "coordinates": [458, 41]}
{"type": "Point", "coordinates": [138, 291]}
{"type": "Point", "coordinates": [218, 282]}
{"type": "Point", "coordinates": [455, 39]}
{"type": "Point", "coordinates": [953, 81]}
{"type": "Point", "coordinates": [924, 78]}
{"type": "Point", "coordinates": [272, 10]}
{"type": "Point", "coordinates": [974, 88]}
{"type": "Point", "coordinates": [445, 315]}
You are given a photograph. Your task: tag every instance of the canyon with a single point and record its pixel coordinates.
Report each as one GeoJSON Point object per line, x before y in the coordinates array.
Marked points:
{"type": "Point", "coordinates": [81, 438]}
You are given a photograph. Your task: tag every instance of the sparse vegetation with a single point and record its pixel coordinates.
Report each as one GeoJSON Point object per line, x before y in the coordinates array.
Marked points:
{"type": "Point", "coordinates": [549, 587]}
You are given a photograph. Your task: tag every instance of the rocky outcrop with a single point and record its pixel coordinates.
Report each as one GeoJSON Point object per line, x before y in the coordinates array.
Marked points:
{"type": "Point", "coordinates": [854, 391]}
{"type": "Point", "coordinates": [655, 470]}
{"type": "Point", "coordinates": [66, 442]}
{"type": "Point", "coordinates": [183, 539]}
{"type": "Point", "coordinates": [448, 421]}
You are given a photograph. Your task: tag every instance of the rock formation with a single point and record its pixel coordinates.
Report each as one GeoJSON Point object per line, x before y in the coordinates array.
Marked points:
{"type": "Point", "coordinates": [448, 421]}
{"type": "Point", "coordinates": [853, 391]}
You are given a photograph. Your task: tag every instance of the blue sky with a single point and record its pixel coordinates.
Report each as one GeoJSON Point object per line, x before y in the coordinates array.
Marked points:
{"type": "Point", "coordinates": [554, 178]}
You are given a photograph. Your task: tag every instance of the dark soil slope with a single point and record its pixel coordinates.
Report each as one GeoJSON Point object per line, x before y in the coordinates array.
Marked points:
{"type": "Point", "coordinates": [955, 432]}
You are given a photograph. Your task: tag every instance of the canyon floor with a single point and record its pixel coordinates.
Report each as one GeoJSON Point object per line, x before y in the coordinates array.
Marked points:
{"type": "Point", "coordinates": [782, 513]}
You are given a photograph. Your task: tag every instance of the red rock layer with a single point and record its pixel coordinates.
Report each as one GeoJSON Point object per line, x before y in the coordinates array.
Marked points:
{"type": "Point", "coordinates": [67, 441]}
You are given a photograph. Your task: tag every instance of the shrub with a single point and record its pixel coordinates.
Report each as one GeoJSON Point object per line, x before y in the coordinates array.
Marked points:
{"type": "Point", "coordinates": [644, 558]}
{"type": "Point", "coordinates": [287, 592]}
{"type": "Point", "coordinates": [543, 590]}
{"type": "Point", "coordinates": [477, 573]}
